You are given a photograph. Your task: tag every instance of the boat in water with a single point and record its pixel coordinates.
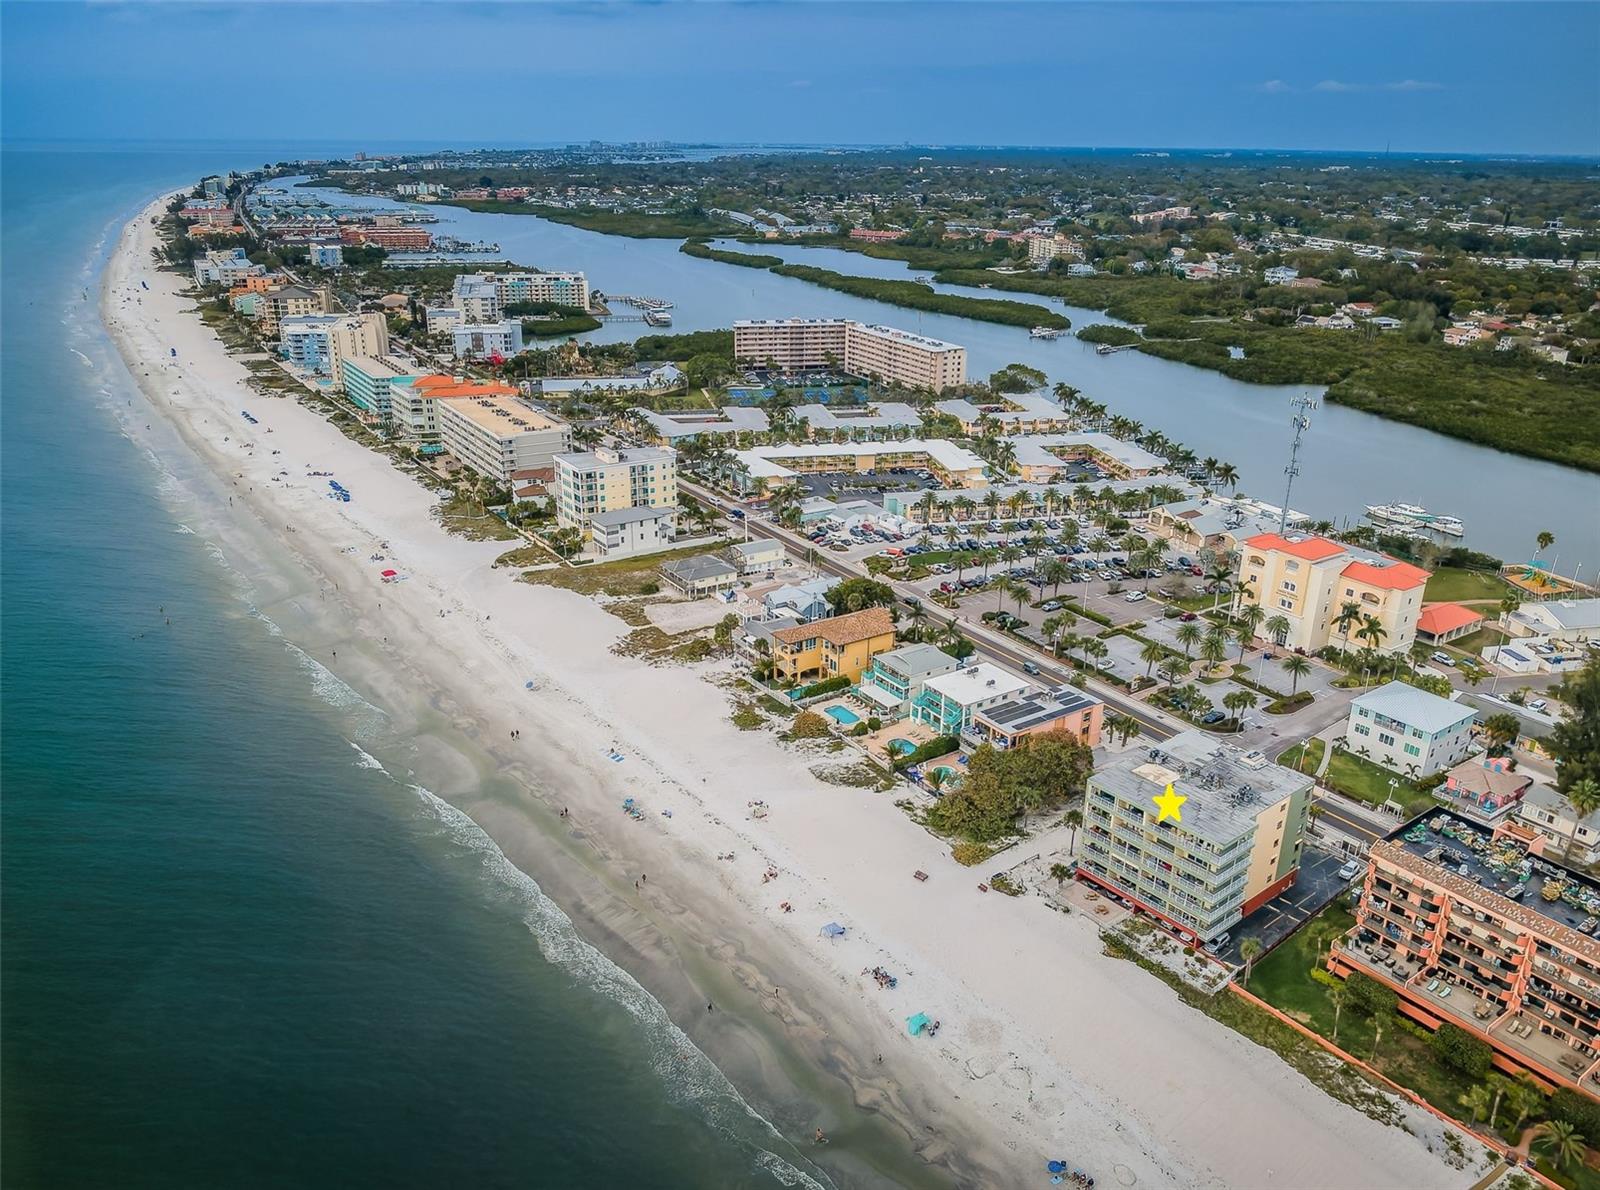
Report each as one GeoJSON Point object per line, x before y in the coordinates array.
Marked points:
{"type": "Point", "coordinates": [1044, 332]}
{"type": "Point", "coordinates": [656, 316]}
{"type": "Point", "coordinates": [1414, 516]}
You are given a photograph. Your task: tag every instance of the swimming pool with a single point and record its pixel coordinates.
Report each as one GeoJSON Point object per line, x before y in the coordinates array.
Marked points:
{"type": "Point", "coordinates": [843, 716]}
{"type": "Point", "coordinates": [901, 747]}
{"type": "Point", "coordinates": [949, 777]}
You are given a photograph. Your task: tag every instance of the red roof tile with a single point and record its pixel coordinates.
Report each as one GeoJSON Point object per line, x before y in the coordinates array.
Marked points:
{"type": "Point", "coordinates": [1445, 617]}
{"type": "Point", "coordinates": [1312, 549]}
{"type": "Point", "coordinates": [1396, 576]}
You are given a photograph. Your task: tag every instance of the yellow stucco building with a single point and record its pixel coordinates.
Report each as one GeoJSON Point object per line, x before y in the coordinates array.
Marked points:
{"type": "Point", "coordinates": [842, 646]}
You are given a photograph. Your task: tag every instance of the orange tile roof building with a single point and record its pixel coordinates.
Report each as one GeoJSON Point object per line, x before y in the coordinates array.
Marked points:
{"type": "Point", "coordinates": [1440, 622]}
{"type": "Point", "coordinates": [840, 646]}
{"type": "Point", "coordinates": [1472, 928]}
{"type": "Point", "coordinates": [1309, 580]}
{"type": "Point", "coordinates": [413, 401]}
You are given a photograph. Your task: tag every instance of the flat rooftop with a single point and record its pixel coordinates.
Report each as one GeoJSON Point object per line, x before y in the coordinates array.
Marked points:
{"type": "Point", "coordinates": [1033, 710]}
{"type": "Point", "coordinates": [1226, 787]}
{"type": "Point", "coordinates": [1466, 850]}
{"type": "Point", "coordinates": [500, 414]}
{"type": "Point", "coordinates": [976, 681]}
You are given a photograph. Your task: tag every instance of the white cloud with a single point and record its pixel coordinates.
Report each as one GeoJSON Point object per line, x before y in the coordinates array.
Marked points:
{"type": "Point", "coordinates": [1337, 87]}
{"type": "Point", "coordinates": [1274, 87]}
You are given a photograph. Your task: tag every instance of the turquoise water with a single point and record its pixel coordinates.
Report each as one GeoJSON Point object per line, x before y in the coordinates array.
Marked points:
{"type": "Point", "coordinates": [901, 747]}
{"type": "Point", "coordinates": [843, 716]}
{"type": "Point", "coordinates": [236, 951]}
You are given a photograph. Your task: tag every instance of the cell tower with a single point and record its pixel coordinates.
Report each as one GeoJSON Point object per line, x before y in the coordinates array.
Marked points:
{"type": "Point", "coordinates": [1301, 421]}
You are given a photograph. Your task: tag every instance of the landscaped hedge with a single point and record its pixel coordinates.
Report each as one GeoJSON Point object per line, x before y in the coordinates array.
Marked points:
{"type": "Point", "coordinates": [826, 686]}
{"type": "Point", "coordinates": [938, 746]}
{"type": "Point", "coordinates": [1283, 706]}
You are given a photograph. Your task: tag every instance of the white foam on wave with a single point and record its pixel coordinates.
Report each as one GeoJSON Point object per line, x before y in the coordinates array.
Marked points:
{"type": "Point", "coordinates": [87, 362]}
{"type": "Point", "coordinates": [687, 1073]}
{"type": "Point", "coordinates": [365, 759]}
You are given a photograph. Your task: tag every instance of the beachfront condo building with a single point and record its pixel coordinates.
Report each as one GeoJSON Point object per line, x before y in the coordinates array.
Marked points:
{"type": "Point", "coordinates": [839, 646]}
{"type": "Point", "coordinates": [318, 343]}
{"type": "Point", "coordinates": [414, 401]}
{"type": "Point", "coordinates": [764, 467]}
{"type": "Point", "coordinates": [481, 340]}
{"type": "Point", "coordinates": [367, 381]}
{"type": "Point", "coordinates": [1024, 413]}
{"type": "Point", "coordinates": [500, 437]}
{"type": "Point", "coordinates": [1411, 731]}
{"type": "Point", "coordinates": [588, 483]}
{"type": "Point", "coordinates": [1450, 905]}
{"type": "Point", "coordinates": [627, 532]}
{"type": "Point", "coordinates": [289, 301]}
{"type": "Point", "coordinates": [1235, 847]}
{"type": "Point", "coordinates": [793, 345]}
{"type": "Point", "coordinates": [225, 267]}
{"type": "Point", "coordinates": [1310, 580]}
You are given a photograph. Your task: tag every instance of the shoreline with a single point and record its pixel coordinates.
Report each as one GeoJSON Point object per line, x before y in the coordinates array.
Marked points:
{"type": "Point", "coordinates": [1020, 981]}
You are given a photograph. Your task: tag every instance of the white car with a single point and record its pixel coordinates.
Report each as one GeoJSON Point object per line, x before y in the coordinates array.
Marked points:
{"type": "Point", "coordinates": [1133, 597]}
{"type": "Point", "coordinates": [1539, 704]}
{"type": "Point", "coordinates": [1348, 872]}
{"type": "Point", "coordinates": [1443, 659]}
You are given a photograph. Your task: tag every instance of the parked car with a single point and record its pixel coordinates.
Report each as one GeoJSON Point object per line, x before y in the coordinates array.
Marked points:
{"type": "Point", "coordinates": [1443, 658]}
{"type": "Point", "coordinates": [1213, 717]}
{"type": "Point", "coordinates": [1050, 605]}
{"type": "Point", "coordinates": [1133, 597]}
{"type": "Point", "coordinates": [1348, 872]}
{"type": "Point", "coordinates": [1539, 704]}
{"type": "Point", "coordinates": [1189, 617]}
{"type": "Point", "coordinates": [1220, 943]}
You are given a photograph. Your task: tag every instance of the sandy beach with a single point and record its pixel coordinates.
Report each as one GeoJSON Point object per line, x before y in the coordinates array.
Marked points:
{"type": "Point", "coordinates": [1047, 1048]}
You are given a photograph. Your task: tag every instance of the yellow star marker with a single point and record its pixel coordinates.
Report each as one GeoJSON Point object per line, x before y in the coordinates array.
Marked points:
{"type": "Point", "coordinates": [1170, 804]}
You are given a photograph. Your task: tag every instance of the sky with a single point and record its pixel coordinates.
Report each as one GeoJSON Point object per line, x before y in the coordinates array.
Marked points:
{"type": "Point", "coordinates": [1427, 77]}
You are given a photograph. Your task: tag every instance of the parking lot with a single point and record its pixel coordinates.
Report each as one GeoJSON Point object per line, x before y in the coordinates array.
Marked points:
{"type": "Point", "coordinates": [1318, 883]}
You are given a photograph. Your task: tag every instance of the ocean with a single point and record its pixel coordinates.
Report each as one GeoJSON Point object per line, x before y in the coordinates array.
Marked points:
{"type": "Point", "coordinates": [237, 950]}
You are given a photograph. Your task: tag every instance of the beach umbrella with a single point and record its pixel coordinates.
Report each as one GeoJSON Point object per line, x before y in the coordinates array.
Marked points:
{"type": "Point", "coordinates": [1055, 1166]}
{"type": "Point", "coordinates": [833, 930]}
{"type": "Point", "coordinates": [916, 1024]}
{"type": "Point", "coordinates": [391, 574]}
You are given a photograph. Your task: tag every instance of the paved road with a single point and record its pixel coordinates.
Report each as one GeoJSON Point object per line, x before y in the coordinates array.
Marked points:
{"type": "Point", "coordinates": [1155, 723]}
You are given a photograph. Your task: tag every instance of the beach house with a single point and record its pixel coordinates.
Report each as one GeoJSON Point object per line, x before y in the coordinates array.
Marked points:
{"type": "Point", "coordinates": [948, 703]}
{"type": "Point", "coordinates": [1408, 730]}
{"type": "Point", "coordinates": [837, 646]}
{"type": "Point", "coordinates": [627, 532]}
{"type": "Point", "coordinates": [1485, 788]}
{"type": "Point", "coordinates": [805, 601]}
{"type": "Point", "coordinates": [1009, 723]}
{"type": "Point", "coordinates": [700, 575]}
{"type": "Point", "coordinates": [896, 677]}
{"type": "Point", "coordinates": [759, 556]}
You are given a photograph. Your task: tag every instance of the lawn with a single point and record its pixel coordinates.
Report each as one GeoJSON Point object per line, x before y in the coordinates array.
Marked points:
{"type": "Point", "coordinates": [1358, 778]}
{"type": "Point", "coordinates": [1283, 979]}
{"type": "Point", "coordinates": [1303, 758]}
{"type": "Point", "coordinates": [626, 576]}
{"type": "Point", "coordinates": [1476, 642]}
{"type": "Point", "coordinates": [1453, 584]}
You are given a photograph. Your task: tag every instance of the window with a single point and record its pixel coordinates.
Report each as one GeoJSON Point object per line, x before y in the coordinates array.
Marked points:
{"type": "Point", "coordinates": [1288, 586]}
{"type": "Point", "coordinates": [1286, 604]}
{"type": "Point", "coordinates": [1363, 729]}
{"type": "Point", "coordinates": [1385, 738]}
{"type": "Point", "coordinates": [1413, 750]}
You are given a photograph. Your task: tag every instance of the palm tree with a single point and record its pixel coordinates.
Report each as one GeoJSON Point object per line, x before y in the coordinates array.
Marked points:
{"type": "Point", "coordinates": [1557, 1137]}
{"type": "Point", "coordinates": [1188, 634]}
{"type": "Point", "coordinates": [1250, 617]}
{"type": "Point", "coordinates": [1508, 606]}
{"type": "Point", "coordinates": [1372, 631]}
{"type": "Point", "coordinates": [1055, 573]}
{"type": "Point", "coordinates": [1213, 648]}
{"type": "Point", "coordinates": [1227, 476]}
{"type": "Point", "coordinates": [1249, 950]}
{"type": "Point", "coordinates": [1337, 996]}
{"type": "Point", "coordinates": [1349, 617]}
{"type": "Point", "coordinates": [1173, 668]}
{"type": "Point", "coordinates": [1093, 647]}
{"type": "Point", "coordinates": [1150, 654]}
{"type": "Point", "coordinates": [1278, 629]}
{"type": "Point", "coordinates": [1583, 795]}
{"type": "Point", "coordinates": [1238, 702]}
{"type": "Point", "coordinates": [936, 778]}
{"type": "Point", "coordinates": [1523, 1097]}
{"type": "Point", "coordinates": [1297, 667]}
{"type": "Point", "coordinates": [1476, 1101]}
{"type": "Point", "coordinates": [1074, 819]}
{"type": "Point", "coordinates": [1019, 594]}
{"type": "Point", "coordinates": [1545, 540]}
{"type": "Point", "coordinates": [1124, 727]}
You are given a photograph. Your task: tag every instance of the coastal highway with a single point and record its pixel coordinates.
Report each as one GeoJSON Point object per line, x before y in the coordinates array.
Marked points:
{"type": "Point", "coordinates": [1155, 724]}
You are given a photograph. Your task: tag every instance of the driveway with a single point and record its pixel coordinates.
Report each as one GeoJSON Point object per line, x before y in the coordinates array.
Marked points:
{"type": "Point", "coordinates": [1317, 883]}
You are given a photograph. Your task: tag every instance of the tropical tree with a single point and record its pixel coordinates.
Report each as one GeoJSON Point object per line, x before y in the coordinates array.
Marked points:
{"type": "Point", "coordinates": [1173, 668]}
{"type": "Point", "coordinates": [1545, 540]}
{"type": "Point", "coordinates": [1508, 606]}
{"type": "Point", "coordinates": [1523, 1098]}
{"type": "Point", "coordinates": [1227, 476]}
{"type": "Point", "coordinates": [1188, 634]}
{"type": "Point", "coordinates": [1297, 667]}
{"type": "Point", "coordinates": [1477, 1101]}
{"type": "Point", "coordinates": [1251, 616]}
{"type": "Point", "coordinates": [1249, 950]}
{"type": "Point", "coordinates": [1150, 655]}
{"type": "Point", "coordinates": [1213, 648]}
{"type": "Point", "coordinates": [1372, 631]}
{"type": "Point", "coordinates": [1337, 997]}
{"type": "Point", "coordinates": [1239, 701]}
{"type": "Point", "coordinates": [1349, 616]}
{"type": "Point", "coordinates": [1278, 629]}
{"type": "Point", "coordinates": [1557, 1137]}
{"type": "Point", "coordinates": [1055, 573]}
{"type": "Point", "coordinates": [936, 778]}
{"type": "Point", "coordinates": [1583, 795]}
{"type": "Point", "coordinates": [1020, 595]}
{"type": "Point", "coordinates": [1096, 648]}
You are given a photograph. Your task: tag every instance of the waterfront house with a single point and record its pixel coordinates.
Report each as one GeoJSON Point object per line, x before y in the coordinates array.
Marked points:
{"type": "Point", "coordinates": [1576, 839]}
{"type": "Point", "coordinates": [700, 575]}
{"type": "Point", "coordinates": [838, 646]}
{"type": "Point", "coordinates": [948, 703]}
{"type": "Point", "coordinates": [1410, 731]}
{"type": "Point", "coordinates": [1008, 723]}
{"type": "Point", "coordinates": [805, 601]}
{"type": "Point", "coordinates": [896, 677]}
{"type": "Point", "coordinates": [628, 532]}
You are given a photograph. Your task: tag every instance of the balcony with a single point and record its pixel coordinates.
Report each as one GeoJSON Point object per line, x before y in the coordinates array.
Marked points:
{"type": "Point", "coordinates": [1521, 1034]}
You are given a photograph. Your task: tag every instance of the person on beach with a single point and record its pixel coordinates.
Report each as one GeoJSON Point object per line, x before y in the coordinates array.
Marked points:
{"type": "Point", "coordinates": [819, 1139]}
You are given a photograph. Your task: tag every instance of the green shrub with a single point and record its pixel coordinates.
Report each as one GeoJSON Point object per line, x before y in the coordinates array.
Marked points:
{"type": "Point", "coordinates": [938, 746]}
{"type": "Point", "coordinates": [859, 730]}
{"type": "Point", "coordinates": [1460, 1050]}
{"type": "Point", "coordinates": [970, 854]}
{"type": "Point", "coordinates": [1576, 1109]}
{"type": "Point", "coordinates": [826, 686]}
{"type": "Point", "coordinates": [874, 723]}
{"type": "Point", "coordinates": [808, 725]}
{"type": "Point", "coordinates": [650, 588]}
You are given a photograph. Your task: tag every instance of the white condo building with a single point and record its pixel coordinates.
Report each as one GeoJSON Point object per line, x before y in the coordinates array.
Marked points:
{"type": "Point", "coordinates": [498, 436]}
